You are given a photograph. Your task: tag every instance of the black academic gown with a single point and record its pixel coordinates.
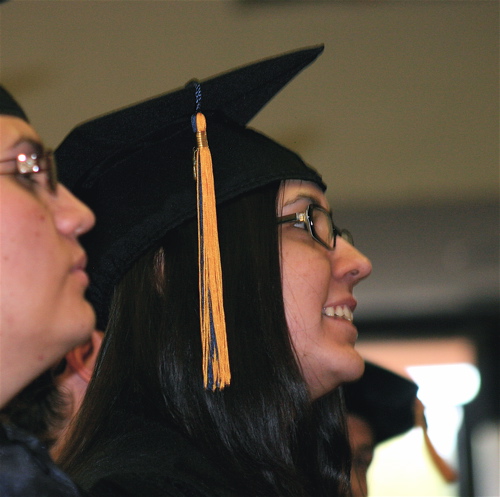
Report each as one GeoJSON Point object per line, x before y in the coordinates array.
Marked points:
{"type": "Point", "coordinates": [138, 457]}
{"type": "Point", "coordinates": [26, 469]}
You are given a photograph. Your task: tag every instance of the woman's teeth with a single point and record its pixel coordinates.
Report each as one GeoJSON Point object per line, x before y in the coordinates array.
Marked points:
{"type": "Point", "coordinates": [339, 311]}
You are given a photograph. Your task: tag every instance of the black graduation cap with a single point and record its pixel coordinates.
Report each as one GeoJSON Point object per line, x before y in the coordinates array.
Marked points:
{"type": "Point", "coordinates": [8, 106]}
{"type": "Point", "coordinates": [134, 167]}
{"type": "Point", "coordinates": [384, 399]}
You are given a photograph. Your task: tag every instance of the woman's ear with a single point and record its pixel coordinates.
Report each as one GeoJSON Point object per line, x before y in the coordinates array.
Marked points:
{"type": "Point", "coordinates": [82, 358]}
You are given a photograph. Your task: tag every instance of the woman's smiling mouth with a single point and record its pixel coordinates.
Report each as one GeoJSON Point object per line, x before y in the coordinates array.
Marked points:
{"type": "Point", "coordinates": [338, 311]}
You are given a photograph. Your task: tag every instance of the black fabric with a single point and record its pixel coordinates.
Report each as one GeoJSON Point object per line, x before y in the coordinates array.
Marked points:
{"type": "Point", "coordinates": [238, 94]}
{"type": "Point", "coordinates": [134, 167]}
{"type": "Point", "coordinates": [137, 457]}
{"type": "Point", "coordinates": [384, 399]}
{"type": "Point", "coordinates": [26, 469]}
{"type": "Point", "coordinates": [8, 106]}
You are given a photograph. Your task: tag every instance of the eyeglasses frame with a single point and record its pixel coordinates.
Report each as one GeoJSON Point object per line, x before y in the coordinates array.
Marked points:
{"type": "Point", "coordinates": [306, 218]}
{"type": "Point", "coordinates": [36, 163]}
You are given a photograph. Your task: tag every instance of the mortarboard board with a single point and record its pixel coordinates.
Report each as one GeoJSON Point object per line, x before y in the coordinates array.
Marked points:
{"type": "Point", "coordinates": [8, 106]}
{"type": "Point", "coordinates": [134, 166]}
{"type": "Point", "coordinates": [384, 399]}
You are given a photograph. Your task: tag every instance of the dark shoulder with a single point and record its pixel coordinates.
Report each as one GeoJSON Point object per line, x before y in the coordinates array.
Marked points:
{"type": "Point", "coordinates": [26, 468]}
{"type": "Point", "coordinates": [134, 485]}
{"type": "Point", "coordinates": [138, 457]}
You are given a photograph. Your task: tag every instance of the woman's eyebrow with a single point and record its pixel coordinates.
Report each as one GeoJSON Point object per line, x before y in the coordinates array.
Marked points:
{"type": "Point", "coordinates": [312, 199]}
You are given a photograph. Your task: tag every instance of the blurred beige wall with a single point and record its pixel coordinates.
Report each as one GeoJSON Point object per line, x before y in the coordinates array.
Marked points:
{"type": "Point", "coordinates": [400, 113]}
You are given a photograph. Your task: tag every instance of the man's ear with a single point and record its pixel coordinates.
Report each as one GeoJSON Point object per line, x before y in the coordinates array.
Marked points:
{"type": "Point", "coordinates": [82, 358]}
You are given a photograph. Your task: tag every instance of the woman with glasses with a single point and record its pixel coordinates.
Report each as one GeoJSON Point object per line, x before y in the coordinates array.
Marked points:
{"type": "Point", "coordinates": [190, 397]}
{"type": "Point", "coordinates": [43, 311]}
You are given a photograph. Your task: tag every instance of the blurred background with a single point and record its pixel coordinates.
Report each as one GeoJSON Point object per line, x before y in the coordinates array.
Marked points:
{"type": "Point", "coordinates": [401, 116]}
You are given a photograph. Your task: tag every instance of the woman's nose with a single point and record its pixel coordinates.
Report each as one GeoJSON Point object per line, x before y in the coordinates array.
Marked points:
{"type": "Point", "coordinates": [350, 263]}
{"type": "Point", "coordinates": [73, 217]}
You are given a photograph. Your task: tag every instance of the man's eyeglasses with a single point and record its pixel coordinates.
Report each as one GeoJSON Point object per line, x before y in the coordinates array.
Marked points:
{"type": "Point", "coordinates": [319, 223]}
{"type": "Point", "coordinates": [36, 163]}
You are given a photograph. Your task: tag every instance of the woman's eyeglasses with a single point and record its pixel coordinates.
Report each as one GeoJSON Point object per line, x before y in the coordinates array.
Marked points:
{"type": "Point", "coordinates": [27, 164]}
{"type": "Point", "coordinates": [319, 223]}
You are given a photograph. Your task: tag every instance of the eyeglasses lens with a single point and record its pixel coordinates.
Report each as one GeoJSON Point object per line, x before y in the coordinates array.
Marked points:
{"type": "Point", "coordinates": [322, 226]}
{"type": "Point", "coordinates": [40, 163]}
{"type": "Point", "coordinates": [346, 235]}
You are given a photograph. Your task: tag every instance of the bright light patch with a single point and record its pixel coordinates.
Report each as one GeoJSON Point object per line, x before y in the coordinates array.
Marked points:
{"type": "Point", "coordinates": [451, 384]}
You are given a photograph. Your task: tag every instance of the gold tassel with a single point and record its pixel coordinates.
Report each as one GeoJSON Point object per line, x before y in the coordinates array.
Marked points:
{"type": "Point", "coordinates": [216, 371]}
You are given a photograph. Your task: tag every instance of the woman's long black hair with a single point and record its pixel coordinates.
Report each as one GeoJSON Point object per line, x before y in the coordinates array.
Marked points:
{"type": "Point", "coordinates": [263, 430]}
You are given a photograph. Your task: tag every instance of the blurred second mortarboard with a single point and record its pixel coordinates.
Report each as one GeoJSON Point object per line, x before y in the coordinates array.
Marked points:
{"type": "Point", "coordinates": [9, 107]}
{"type": "Point", "coordinates": [385, 400]}
{"type": "Point", "coordinates": [134, 166]}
